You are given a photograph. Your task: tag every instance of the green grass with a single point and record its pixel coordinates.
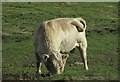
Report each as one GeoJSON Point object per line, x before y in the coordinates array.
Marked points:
{"type": "Point", "coordinates": [21, 20]}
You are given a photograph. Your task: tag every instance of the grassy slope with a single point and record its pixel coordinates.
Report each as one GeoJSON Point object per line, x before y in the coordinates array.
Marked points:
{"type": "Point", "coordinates": [20, 20]}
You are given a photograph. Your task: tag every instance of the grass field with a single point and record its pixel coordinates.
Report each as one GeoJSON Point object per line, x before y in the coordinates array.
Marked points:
{"type": "Point", "coordinates": [21, 20]}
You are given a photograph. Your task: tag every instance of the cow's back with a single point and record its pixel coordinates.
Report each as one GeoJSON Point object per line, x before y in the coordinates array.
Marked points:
{"type": "Point", "coordinates": [56, 35]}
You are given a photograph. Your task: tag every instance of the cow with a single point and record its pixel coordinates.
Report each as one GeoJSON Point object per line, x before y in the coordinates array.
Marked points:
{"type": "Point", "coordinates": [55, 38]}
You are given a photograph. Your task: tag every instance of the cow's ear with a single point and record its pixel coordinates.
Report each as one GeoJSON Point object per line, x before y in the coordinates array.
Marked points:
{"type": "Point", "coordinates": [45, 57]}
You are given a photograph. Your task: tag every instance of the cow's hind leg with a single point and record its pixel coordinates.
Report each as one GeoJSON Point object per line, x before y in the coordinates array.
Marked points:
{"type": "Point", "coordinates": [38, 63]}
{"type": "Point", "coordinates": [82, 48]}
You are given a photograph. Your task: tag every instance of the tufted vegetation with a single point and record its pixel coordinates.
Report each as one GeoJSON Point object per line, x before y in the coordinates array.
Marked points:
{"type": "Point", "coordinates": [20, 20]}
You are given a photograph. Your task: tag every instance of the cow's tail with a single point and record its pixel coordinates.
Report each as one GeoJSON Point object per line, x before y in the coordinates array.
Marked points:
{"type": "Point", "coordinates": [82, 21]}
{"type": "Point", "coordinates": [77, 22]}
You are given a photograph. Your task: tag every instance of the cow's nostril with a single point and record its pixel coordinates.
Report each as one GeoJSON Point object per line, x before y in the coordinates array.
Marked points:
{"type": "Point", "coordinates": [61, 68]}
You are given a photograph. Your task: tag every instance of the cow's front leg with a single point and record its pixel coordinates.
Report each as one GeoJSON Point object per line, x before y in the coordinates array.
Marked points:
{"type": "Point", "coordinates": [64, 58]}
{"type": "Point", "coordinates": [82, 49]}
{"type": "Point", "coordinates": [38, 63]}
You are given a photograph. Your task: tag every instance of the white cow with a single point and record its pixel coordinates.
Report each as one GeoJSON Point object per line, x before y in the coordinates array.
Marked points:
{"type": "Point", "coordinates": [55, 38]}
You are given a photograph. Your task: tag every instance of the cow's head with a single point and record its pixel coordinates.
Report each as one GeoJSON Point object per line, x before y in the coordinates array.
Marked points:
{"type": "Point", "coordinates": [53, 63]}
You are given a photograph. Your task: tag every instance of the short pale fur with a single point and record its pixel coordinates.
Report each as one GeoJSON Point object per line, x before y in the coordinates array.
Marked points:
{"type": "Point", "coordinates": [55, 38]}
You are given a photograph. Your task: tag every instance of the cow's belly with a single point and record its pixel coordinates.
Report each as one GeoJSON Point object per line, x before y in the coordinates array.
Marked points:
{"type": "Point", "coordinates": [67, 46]}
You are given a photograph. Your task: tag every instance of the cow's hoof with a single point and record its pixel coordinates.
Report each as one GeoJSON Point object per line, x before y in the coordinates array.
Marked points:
{"type": "Point", "coordinates": [43, 75]}
{"type": "Point", "coordinates": [49, 74]}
